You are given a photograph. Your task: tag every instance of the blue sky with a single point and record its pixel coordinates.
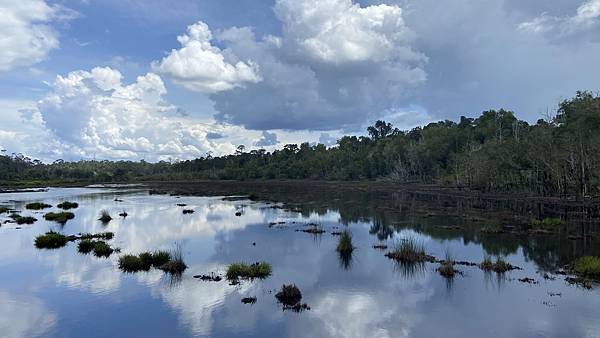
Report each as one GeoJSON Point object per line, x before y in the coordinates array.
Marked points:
{"type": "Point", "coordinates": [158, 79]}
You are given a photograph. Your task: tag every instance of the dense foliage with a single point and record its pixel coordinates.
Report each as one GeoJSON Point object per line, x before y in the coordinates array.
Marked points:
{"type": "Point", "coordinates": [496, 152]}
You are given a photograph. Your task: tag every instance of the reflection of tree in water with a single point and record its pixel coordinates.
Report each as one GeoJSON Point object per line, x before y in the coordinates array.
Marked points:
{"type": "Point", "coordinates": [381, 228]}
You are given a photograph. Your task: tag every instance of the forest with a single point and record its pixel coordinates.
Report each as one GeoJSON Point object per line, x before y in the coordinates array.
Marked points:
{"type": "Point", "coordinates": [556, 156]}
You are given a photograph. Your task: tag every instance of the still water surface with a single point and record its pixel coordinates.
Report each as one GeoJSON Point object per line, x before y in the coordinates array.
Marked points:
{"type": "Point", "coordinates": [61, 293]}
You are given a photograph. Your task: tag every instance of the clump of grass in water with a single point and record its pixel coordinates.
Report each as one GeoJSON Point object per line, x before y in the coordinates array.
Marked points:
{"type": "Point", "coordinates": [587, 266]}
{"type": "Point", "coordinates": [291, 297]}
{"type": "Point", "coordinates": [37, 206]}
{"type": "Point", "coordinates": [50, 240]}
{"type": "Point", "coordinates": [3, 210]}
{"type": "Point", "coordinates": [175, 264]}
{"type": "Point", "coordinates": [102, 235]}
{"type": "Point", "coordinates": [145, 260]}
{"type": "Point", "coordinates": [105, 216]}
{"type": "Point", "coordinates": [500, 266]}
{"type": "Point", "coordinates": [59, 217]}
{"type": "Point", "coordinates": [248, 271]}
{"type": "Point", "coordinates": [345, 243]}
{"type": "Point", "coordinates": [22, 219]}
{"type": "Point", "coordinates": [547, 222]}
{"type": "Point", "coordinates": [446, 268]}
{"type": "Point", "coordinates": [409, 250]}
{"type": "Point", "coordinates": [68, 205]}
{"type": "Point", "coordinates": [86, 246]}
{"type": "Point", "coordinates": [101, 249]}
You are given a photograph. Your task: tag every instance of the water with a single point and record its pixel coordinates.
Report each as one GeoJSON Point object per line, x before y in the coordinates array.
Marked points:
{"type": "Point", "coordinates": [61, 293]}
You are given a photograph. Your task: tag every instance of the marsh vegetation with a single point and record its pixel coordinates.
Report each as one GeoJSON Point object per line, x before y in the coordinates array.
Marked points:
{"type": "Point", "coordinates": [59, 217]}
{"type": "Point", "coordinates": [237, 271]}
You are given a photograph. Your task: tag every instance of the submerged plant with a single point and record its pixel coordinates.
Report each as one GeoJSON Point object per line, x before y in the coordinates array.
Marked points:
{"type": "Point", "coordinates": [59, 217]}
{"type": "Point", "coordinates": [50, 240]}
{"type": "Point", "coordinates": [248, 271]}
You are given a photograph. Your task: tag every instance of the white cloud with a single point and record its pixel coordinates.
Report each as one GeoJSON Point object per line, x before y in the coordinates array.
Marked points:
{"type": "Point", "coordinates": [202, 67]}
{"type": "Point", "coordinates": [95, 114]}
{"type": "Point", "coordinates": [335, 65]}
{"type": "Point", "coordinates": [338, 31]}
{"type": "Point", "coordinates": [587, 17]}
{"type": "Point", "coordinates": [27, 36]}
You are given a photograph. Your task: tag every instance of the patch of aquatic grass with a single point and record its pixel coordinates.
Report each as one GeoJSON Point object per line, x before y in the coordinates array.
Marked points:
{"type": "Point", "coordinates": [175, 265]}
{"type": "Point", "coordinates": [3, 210]}
{"type": "Point", "coordinates": [248, 271]}
{"type": "Point", "coordinates": [487, 264]}
{"type": "Point", "coordinates": [86, 246]}
{"type": "Point", "coordinates": [587, 266]}
{"type": "Point", "coordinates": [37, 206]}
{"type": "Point", "coordinates": [68, 205]}
{"type": "Point", "coordinates": [492, 229]}
{"type": "Point", "coordinates": [50, 240]}
{"type": "Point", "coordinates": [102, 235]}
{"type": "Point", "coordinates": [132, 263]}
{"type": "Point", "coordinates": [101, 249]}
{"type": "Point", "coordinates": [548, 223]}
{"type": "Point", "coordinates": [289, 295]}
{"type": "Point", "coordinates": [105, 216]}
{"type": "Point", "coordinates": [59, 217]}
{"type": "Point", "coordinates": [409, 250]}
{"type": "Point", "coordinates": [345, 243]}
{"type": "Point", "coordinates": [158, 259]}
{"type": "Point", "coordinates": [22, 219]}
{"type": "Point", "coordinates": [499, 266]}
{"type": "Point", "coordinates": [446, 267]}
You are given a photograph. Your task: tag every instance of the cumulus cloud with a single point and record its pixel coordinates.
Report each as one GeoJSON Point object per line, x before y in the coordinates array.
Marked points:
{"type": "Point", "coordinates": [586, 17]}
{"type": "Point", "coordinates": [267, 139]}
{"type": "Point", "coordinates": [95, 114]}
{"type": "Point", "coordinates": [27, 34]}
{"type": "Point", "coordinates": [335, 64]}
{"type": "Point", "coordinates": [202, 67]}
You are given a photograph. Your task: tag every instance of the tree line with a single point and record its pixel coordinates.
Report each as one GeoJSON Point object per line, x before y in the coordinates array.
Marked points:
{"type": "Point", "coordinates": [558, 156]}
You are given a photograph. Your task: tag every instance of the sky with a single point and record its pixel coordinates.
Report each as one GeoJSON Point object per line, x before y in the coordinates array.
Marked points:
{"type": "Point", "coordinates": [179, 79]}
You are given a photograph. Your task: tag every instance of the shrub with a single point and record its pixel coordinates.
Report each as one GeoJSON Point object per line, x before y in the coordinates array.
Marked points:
{"type": "Point", "coordinates": [50, 240]}
{"type": "Point", "coordinates": [587, 266]}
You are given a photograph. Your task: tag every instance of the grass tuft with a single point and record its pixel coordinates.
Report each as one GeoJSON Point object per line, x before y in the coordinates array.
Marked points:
{"type": "Point", "coordinates": [345, 243]}
{"type": "Point", "coordinates": [59, 217]}
{"type": "Point", "coordinates": [101, 249]}
{"type": "Point", "coordinates": [102, 235]}
{"type": "Point", "coordinates": [68, 205]}
{"type": "Point", "coordinates": [446, 267]}
{"type": "Point", "coordinates": [409, 250]}
{"type": "Point", "coordinates": [248, 271]}
{"type": "Point", "coordinates": [3, 210]}
{"type": "Point", "coordinates": [587, 266]}
{"type": "Point", "coordinates": [50, 240]}
{"type": "Point", "coordinates": [105, 216]}
{"type": "Point", "coordinates": [132, 263]}
{"type": "Point", "coordinates": [289, 295]}
{"type": "Point", "coordinates": [158, 259]}
{"type": "Point", "coordinates": [37, 206]}
{"type": "Point", "coordinates": [500, 266]}
{"type": "Point", "coordinates": [175, 264]}
{"type": "Point", "coordinates": [22, 219]}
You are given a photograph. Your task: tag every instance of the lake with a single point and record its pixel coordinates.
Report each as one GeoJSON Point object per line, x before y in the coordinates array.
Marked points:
{"type": "Point", "coordinates": [63, 293]}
